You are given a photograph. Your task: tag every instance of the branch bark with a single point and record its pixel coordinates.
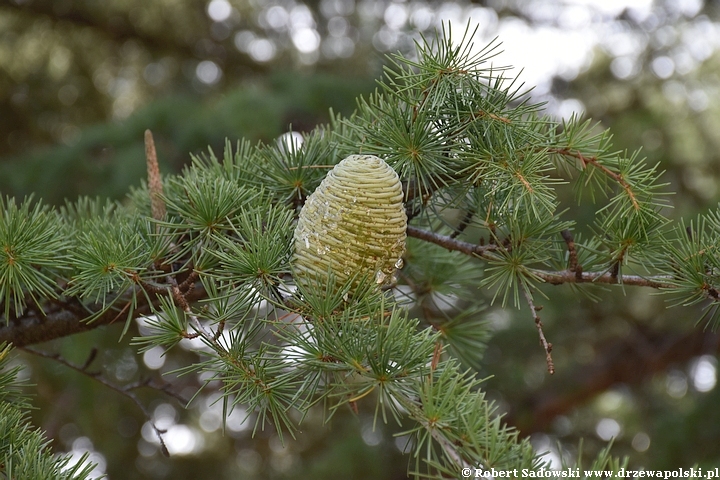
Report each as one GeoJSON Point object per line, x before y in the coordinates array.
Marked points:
{"type": "Point", "coordinates": [557, 277]}
{"type": "Point", "coordinates": [37, 328]}
{"type": "Point", "coordinates": [630, 361]}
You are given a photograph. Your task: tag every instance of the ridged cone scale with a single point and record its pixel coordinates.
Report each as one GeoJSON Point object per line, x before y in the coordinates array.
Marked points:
{"type": "Point", "coordinates": [353, 224]}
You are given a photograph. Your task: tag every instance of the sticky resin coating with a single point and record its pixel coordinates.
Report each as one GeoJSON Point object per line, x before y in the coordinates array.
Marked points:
{"type": "Point", "coordinates": [354, 223]}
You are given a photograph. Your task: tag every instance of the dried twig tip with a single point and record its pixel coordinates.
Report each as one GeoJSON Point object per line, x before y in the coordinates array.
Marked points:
{"type": "Point", "coordinates": [543, 341]}
{"type": "Point", "coordinates": [154, 180]}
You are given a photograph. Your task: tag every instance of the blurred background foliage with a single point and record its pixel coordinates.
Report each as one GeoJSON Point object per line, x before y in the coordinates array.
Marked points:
{"type": "Point", "coordinates": [81, 80]}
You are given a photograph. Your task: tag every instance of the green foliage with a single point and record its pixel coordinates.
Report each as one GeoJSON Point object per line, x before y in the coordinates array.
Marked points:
{"type": "Point", "coordinates": [258, 254]}
{"type": "Point", "coordinates": [202, 203]}
{"type": "Point", "coordinates": [292, 171]}
{"type": "Point", "coordinates": [170, 323]}
{"type": "Point", "coordinates": [24, 451]}
{"type": "Point", "coordinates": [452, 411]}
{"type": "Point", "coordinates": [32, 254]}
{"type": "Point", "coordinates": [693, 258]}
{"type": "Point", "coordinates": [604, 462]}
{"type": "Point", "coordinates": [467, 335]}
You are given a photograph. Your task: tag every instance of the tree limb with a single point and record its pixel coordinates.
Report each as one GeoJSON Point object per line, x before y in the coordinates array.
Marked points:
{"type": "Point", "coordinates": [585, 160]}
{"type": "Point", "coordinates": [629, 361]}
{"type": "Point", "coordinates": [37, 328]}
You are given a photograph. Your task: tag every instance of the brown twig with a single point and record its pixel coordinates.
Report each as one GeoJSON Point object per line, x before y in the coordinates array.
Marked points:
{"type": "Point", "coordinates": [595, 163]}
{"type": "Point", "coordinates": [152, 287]}
{"type": "Point", "coordinates": [450, 243]}
{"type": "Point", "coordinates": [566, 276]}
{"type": "Point", "coordinates": [451, 449]}
{"type": "Point", "coordinates": [189, 282]}
{"type": "Point", "coordinates": [91, 357]}
{"type": "Point", "coordinates": [437, 352]}
{"type": "Point", "coordinates": [524, 181]}
{"type": "Point", "coordinates": [181, 301]}
{"type": "Point", "coordinates": [448, 447]}
{"type": "Point", "coordinates": [464, 223]}
{"type": "Point", "coordinates": [324, 167]}
{"type": "Point", "coordinates": [482, 113]}
{"type": "Point", "coordinates": [98, 378]}
{"type": "Point", "coordinates": [551, 277]}
{"type": "Point", "coordinates": [164, 387]}
{"type": "Point", "coordinates": [543, 341]}
{"type": "Point", "coordinates": [629, 360]}
{"type": "Point", "coordinates": [573, 265]}
{"type": "Point", "coordinates": [128, 304]}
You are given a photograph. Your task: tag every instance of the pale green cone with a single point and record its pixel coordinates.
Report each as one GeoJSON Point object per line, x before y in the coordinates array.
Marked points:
{"type": "Point", "coordinates": [353, 224]}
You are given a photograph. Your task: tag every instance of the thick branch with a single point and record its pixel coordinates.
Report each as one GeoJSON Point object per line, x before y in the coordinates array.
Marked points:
{"type": "Point", "coordinates": [567, 276]}
{"type": "Point", "coordinates": [629, 361]}
{"type": "Point", "coordinates": [37, 328]}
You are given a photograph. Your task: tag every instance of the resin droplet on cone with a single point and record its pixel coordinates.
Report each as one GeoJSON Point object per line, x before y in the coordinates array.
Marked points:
{"type": "Point", "coordinates": [353, 224]}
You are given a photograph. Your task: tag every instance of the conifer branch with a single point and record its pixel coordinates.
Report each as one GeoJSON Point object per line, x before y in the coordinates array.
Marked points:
{"type": "Point", "coordinates": [453, 451]}
{"type": "Point", "coordinates": [560, 277]}
{"type": "Point", "coordinates": [450, 243]}
{"type": "Point", "coordinates": [557, 277]}
{"type": "Point", "coordinates": [450, 450]}
{"type": "Point", "coordinates": [35, 327]}
{"type": "Point", "coordinates": [482, 113]}
{"type": "Point", "coordinates": [232, 223]}
{"type": "Point", "coordinates": [164, 387]}
{"type": "Point", "coordinates": [181, 301]}
{"type": "Point", "coordinates": [38, 328]}
{"type": "Point", "coordinates": [586, 160]}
